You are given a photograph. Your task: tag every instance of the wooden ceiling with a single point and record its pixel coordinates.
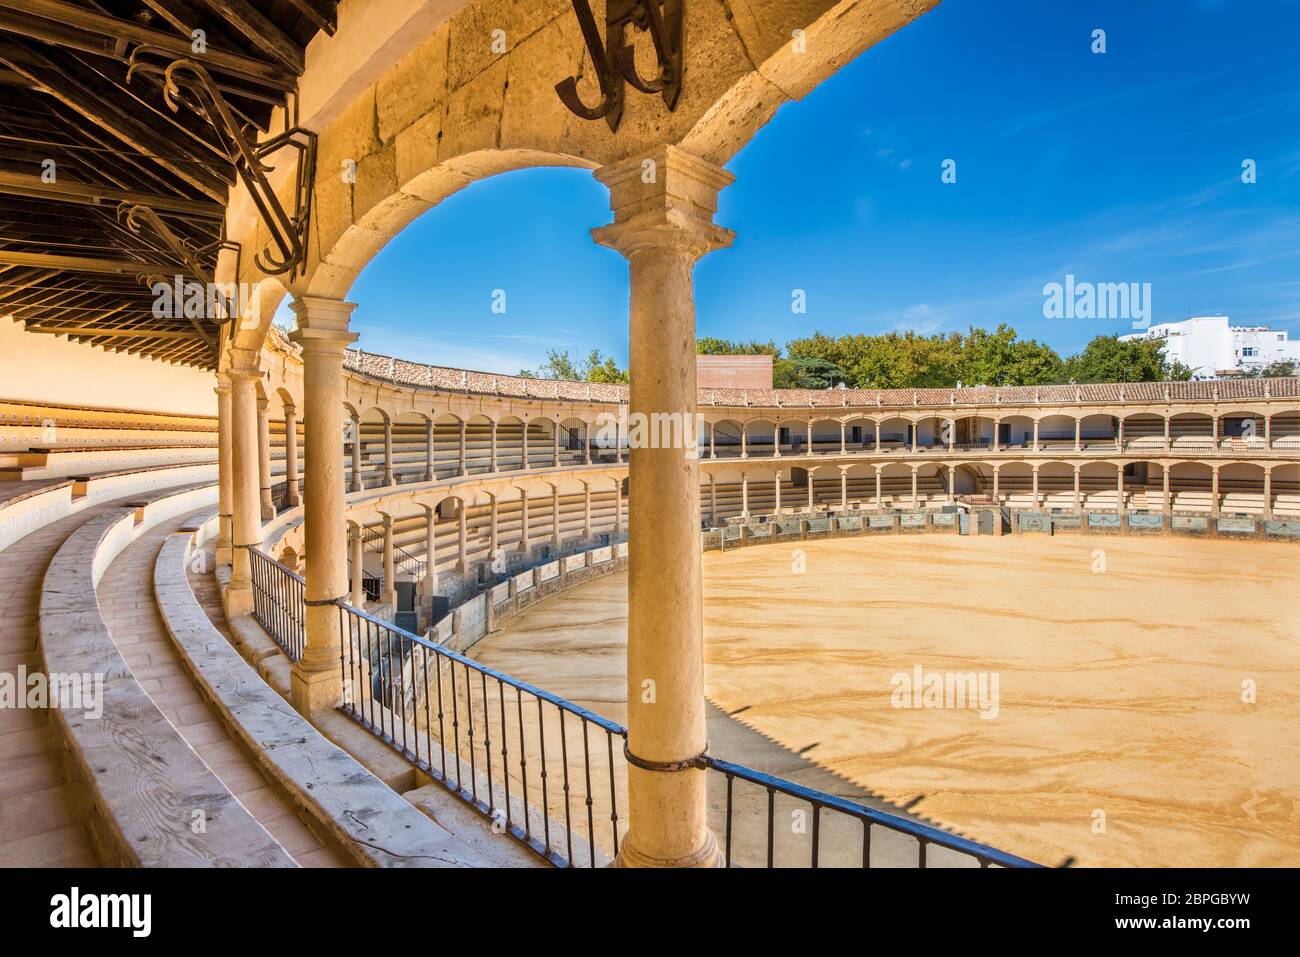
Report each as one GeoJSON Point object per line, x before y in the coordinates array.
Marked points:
{"type": "Point", "coordinates": [80, 143]}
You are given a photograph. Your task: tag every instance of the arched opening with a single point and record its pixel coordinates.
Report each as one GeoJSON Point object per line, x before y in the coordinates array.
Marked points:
{"type": "Point", "coordinates": [1145, 430]}
{"type": "Point", "coordinates": [1190, 484]}
{"type": "Point", "coordinates": [1191, 430]}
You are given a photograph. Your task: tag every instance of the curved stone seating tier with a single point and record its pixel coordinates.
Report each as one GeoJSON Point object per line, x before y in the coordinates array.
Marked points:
{"type": "Point", "coordinates": [71, 462]}
{"type": "Point", "coordinates": [145, 782]}
{"type": "Point", "coordinates": [371, 821]}
{"type": "Point", "coordinates": [28, 505]}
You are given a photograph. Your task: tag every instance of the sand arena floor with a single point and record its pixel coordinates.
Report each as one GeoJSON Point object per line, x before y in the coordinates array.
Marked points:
{"type": "Point", "coordinates": [1121, 736]}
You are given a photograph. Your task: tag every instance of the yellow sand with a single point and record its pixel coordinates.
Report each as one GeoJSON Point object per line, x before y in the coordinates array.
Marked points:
{"type": "Point", "coordinates": [1122, 737]}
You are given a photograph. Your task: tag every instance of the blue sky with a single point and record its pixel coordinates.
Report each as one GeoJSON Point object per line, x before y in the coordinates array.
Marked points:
{"type": "Point", "coordinates": [1116, 167]}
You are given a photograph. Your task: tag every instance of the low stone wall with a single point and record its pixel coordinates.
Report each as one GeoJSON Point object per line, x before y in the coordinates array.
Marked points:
{"type": "Point", "coordinates": [762, 531]}
{"type": "Point", "coordinates": [486, 612]}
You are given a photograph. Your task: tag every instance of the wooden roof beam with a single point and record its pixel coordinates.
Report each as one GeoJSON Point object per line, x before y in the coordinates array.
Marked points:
{"type": "Point", "coordinates": [65, 24]}
{"type": "Point", "coordinates": [20, 184]}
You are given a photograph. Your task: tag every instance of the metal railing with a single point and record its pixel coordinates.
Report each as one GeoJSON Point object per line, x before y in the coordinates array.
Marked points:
{"type": "Point", "coordinates": [553, 775]}
{"type": "Point", "coordinates": [536, 764]}
{"type": "Point", "coordinates": [402, 559]}
{"type": "Point", "coordinates": [279, 602]}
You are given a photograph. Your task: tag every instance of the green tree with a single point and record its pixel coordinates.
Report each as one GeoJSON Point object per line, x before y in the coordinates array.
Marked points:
{"type": "Point", "coordinates": [1000, 358]}
{"type": "Point", "coordinates": [595, 368]}
{"type": "Point", "coordinates": [713, 346]}
{"type": "Point", "coordinates": [806, 372]}
{"type": "Point", "coordinates": [1110, 359]}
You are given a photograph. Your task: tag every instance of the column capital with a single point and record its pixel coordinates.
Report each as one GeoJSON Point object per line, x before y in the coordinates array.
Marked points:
{"type": "Point", "coordinates": [323, 322]}
{"type": "Point", "coordinates": [244, 364]}
{"type": "Point", "coordinates": [665, 199]}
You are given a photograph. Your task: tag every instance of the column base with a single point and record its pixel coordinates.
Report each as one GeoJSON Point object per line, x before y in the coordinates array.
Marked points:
{"type": "Point", "coordinates": [311, 692]}
{"type": "Point", "coordinates": [708, 855]}
{"type": "Point", "coordinates": [239, 599]}
{"type": "Point", "coordinates": [268, 512]}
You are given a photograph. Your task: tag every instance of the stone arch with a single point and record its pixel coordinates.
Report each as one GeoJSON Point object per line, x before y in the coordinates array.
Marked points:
{"type": "Point", "coordinates": [452, 111]}
{"type": "Point", "coordinates": [726, 439]}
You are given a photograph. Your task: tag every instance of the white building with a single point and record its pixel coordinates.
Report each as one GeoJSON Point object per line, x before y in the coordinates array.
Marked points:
{"type": "Point", "coordinates": [1212, 348]}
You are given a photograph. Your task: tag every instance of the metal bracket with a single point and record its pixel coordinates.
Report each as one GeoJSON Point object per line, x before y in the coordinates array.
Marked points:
{"type": "Point", "coordinates": [614, 59]}
{"type": "Point", "coordinates": [187, 83]}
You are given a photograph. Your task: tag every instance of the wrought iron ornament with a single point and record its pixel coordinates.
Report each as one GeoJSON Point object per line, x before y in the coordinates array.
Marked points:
{"type": "Point", "coordinates": [614, 59]}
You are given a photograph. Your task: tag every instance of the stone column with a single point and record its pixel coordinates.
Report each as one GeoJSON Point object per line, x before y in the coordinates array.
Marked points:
{"type": "Point", "coordinates": [997, 443]}
{"type": "Point", "coordinates": [1035, 489]}
{"type": "Point", "coordinates": [463, 465]}
{"type": "Point", "coordinates": [1078, 435]}
{"type": "Point", "coordinates": [1078, 501]}
{"type": "Point", "coordinates": [316, 681]}
{"type": "Point", "coordinates": [843, 447]}
{"type": "Point", "coordinates": [1119, 438]}
{"type": "Point", "coordinates": [356, 484]}
{"type": "Point", "coordinates": [494, 446]}
{"type": "Point", "coordinates": [586, 443]}
{"type": "Point", "coordinates": [586, 512]}
{"type": "Point", "coordinates": [389, 595]}
{"type": "Point", "coordinates": [388, 451]}
{"type": "Point", "coordinates": [356, 538]}
{"type": "Point", "coordinates": [877, 436]}
{"type": "Point", "coordinates": [951, 479]}
{"type": "Point", "coordinates": [264, 459]}
{"type": "Point", "coordinates": [844, 488]}
{"type": "Point", "coordinates": [429, 472]}
{"type": "Point", "coordinates": [1268, 431]}
{"type": "Point", "coordinates": [744, 440]}
{"type": "Point", "coordinates": [996, 499]}
{"type": "Point", "coordinates": [1035, 435]}
{"type": "Point", "coordinates": [1214, 488]}
{"type": "Point", "coordinates": [462, 538]}
{"type": "Point", "coordinates": [523, 442]}
{"type": "Point", "coordinates": [1214, 439]}
{"type": "Point", "coordinates": [430, 582]}
{"type": "Point", "coordinates": [1268, 493]}
{"type": "Point", "coordinates": [291, 455]}
{"type": "Point", "coordinates": [555, 445]}
{"type": "Point", "coordinates": [810, 439]}
{"type": "Point", "coordinates": [744, 494]}
{"type": "Point", "coordinates": [1119, 487]}
{"type": "Point", "coordinates": [776, 440]}
{"type": "Point", "coordinates": [914, 501]}
{"type": "Point", "coordinates": [879, 497]}
{"type": "Point", "coordinates": [1164, 495]}
{"type": "Point", "coordinates": [555, 518]}
{"type": "Point", "coordinates": [246, 525]}
{"type": "Point", "coordinates": [1168, 444]}
{"type": "Point", "coordinates": [915, 428]}
{"type": "Point", "coordinates": [492, 530]}
{"type": "Point", "coordinates": [952, 434]}
{"type": "Point", "coordinates": [618, 508]}
{"type": "Point", "coordinates": [225, 469]}
{"type": "Point", "coordinates": [811, 499]}
{"type": "Point", "coordinates": [524, 543]}
{"type": "Point", "coordinates": [663, 227]}
{"type": "Point", "coordinates": [776, 485]}
{"type": "Point", "coordinates": [618, 442]}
